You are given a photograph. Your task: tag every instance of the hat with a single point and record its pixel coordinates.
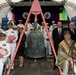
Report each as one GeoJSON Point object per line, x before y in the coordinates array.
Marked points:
{"type": "Point", "coordinates": [2, 34]}
{"type": "Point", "coordinates": [66, 32]}
{"type": "Point", "coordinates": [20, 20]}
{"type": "Point", "coordinates": [53, 21]}
{"type": "Point", "coordinates": [10, 22]}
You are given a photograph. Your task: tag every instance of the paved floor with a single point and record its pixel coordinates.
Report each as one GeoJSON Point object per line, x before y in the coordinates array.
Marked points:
{"type": "Point", "coordinates": [40, 67]}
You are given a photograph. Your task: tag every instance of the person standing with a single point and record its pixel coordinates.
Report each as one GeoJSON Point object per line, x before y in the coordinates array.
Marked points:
{"type": "Point", "coordinates": [52, 27]}
{"type": "Point", "coordinates": [20, 23]}
{"type": "Point", "coordinates": [72, 31]}
{"type": "Point", "coordinates": [21, 47]}
{"type": "Point", "coordinates": [47, 44]}
{"type": "Point", "coordinates": [57, 37]}
{"type": "Point", "coordinates": [4, 51]}
{"type": "Point", "coordinates": [12, 36]}
{"type": "Point", "coordinates": [67, 55]}
{"type": "Point", "coordinates": [29, 27]}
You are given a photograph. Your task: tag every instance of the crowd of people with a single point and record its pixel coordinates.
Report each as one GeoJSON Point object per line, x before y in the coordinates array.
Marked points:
{"type": "Point", "coordinates": [64, 40]}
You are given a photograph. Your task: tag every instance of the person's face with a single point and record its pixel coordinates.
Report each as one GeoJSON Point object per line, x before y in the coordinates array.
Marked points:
{"type": "Point", "coordinates": [53, 22]}
{"type": "Point", "coordinates": [71, 26]}
{"type": "Point", "coordinates": [10, 26]}
{"type": "Point", "coordinates": [59, 25]}
{"type": "Point", "coordinates": [42, 24]}
{"type": "Point", "coordinates": [67, 37]}
{"type": "Point", "coordinates": [3, 37]}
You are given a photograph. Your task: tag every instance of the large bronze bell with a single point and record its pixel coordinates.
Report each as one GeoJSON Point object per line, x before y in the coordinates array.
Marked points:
{"type": "Point", "coordinates": [35, 44]}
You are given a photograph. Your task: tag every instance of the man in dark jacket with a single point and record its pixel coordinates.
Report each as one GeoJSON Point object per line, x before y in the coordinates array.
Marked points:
{"type": "Point", "coordinates": [57, 37]}
{"type": "Point", "coordinates": [72, 31]}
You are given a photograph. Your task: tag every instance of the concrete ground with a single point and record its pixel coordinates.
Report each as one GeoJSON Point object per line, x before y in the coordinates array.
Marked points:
{"type": "Point", "coordinates": [40, 67]}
